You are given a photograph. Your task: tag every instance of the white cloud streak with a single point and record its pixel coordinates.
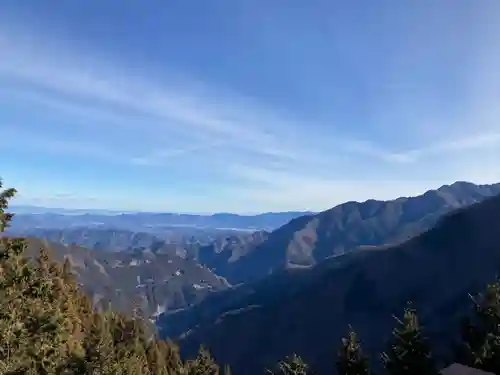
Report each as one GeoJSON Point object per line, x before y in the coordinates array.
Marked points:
{"type": "Point", "coordinates": [95, 90]}
{"type": "Point", "coordinates": [172, 107]}
{"type": "Point", "coordinates": [268, 157]}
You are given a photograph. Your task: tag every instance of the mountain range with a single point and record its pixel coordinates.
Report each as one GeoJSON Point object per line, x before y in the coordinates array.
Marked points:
{"type": "Point", "coordinates": [306, 310]}
{"type": "Point", "coordinates": [309, 239]}
{"type": "Point", "coordinates": [37, 217]}
{"type": "Point", "coordinates": [170, 241]}
{"type": "Point", "coordinates": [294, 288]}
{"type": "Point", "coordinates": [127, 280]}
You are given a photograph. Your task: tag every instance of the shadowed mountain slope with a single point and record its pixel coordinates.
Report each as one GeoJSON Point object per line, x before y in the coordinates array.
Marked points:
{"type": "Point", "coordinates": [307, 310]}
{"type": "Point", "coordinates": [306, 240]}
{"type": "Point", "coordinates": [227, 250]}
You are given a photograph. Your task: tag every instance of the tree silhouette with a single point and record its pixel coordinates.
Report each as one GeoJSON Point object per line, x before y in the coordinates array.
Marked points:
{"type": "Point", "coordinates": [351, 360]}
{"type": "Point", "coordinates": [481, 332]}
{"type": "Point", "coordinates": [409, 351]}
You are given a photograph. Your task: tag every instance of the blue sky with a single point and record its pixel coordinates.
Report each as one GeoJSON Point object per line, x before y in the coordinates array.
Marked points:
{"type": "Point", "coordinates": [246, 106]}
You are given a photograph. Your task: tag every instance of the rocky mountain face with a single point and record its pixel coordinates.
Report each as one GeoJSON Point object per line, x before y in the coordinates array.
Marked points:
{"type": "Point", "coordinates": [307, 310]}
{"type": "Point", "coordinates": [309, 239]}
{"type": "Point", "coordinates": [132, 279]}
{"type": "Point", "coordinates": [182, 242]}
{"type": "Point", "coordinates": [220, 254]}
{"type": "Point", "coordinates": [93, 238]}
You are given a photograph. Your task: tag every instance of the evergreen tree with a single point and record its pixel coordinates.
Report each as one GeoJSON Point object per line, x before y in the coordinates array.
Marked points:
{"type": "Point", "coordinates": [33, 333]}
{"type": "Point", "coordinates": [5, 196]}
{"type": "Point", "coordinates": [409, 351]}
{"type": "Point", "coordinates": [203, 364]}
{"type": "Point", "coordinates": [173, 360]}
{"type": "Point", "coordinates": [157, 358]}
{"type": "Point", "coordinates": [481, 332]}
{"type": "Point", "coordinates": [99, 346]}
{"type": "Point", "coordinates": [13, 335]}
{"type": "Point", "coordinates": [351, 360]}
{"type": "Point", "coordinates": [291, 365]}
{"type": "Point", "coordinates": [48, 326]}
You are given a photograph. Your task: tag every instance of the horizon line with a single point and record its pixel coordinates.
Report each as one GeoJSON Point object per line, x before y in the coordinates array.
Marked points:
{"type": "Point", "coordinates": [114, 212]}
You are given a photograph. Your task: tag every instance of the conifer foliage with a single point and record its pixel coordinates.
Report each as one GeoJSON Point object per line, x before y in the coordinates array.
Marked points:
{"type": "Point", "coordinates": [291, 365]}
{"type": "Point", "coordinates": [203, 364]}
{"type": "Point", "coordinates": [409, 351]}
{"type": "Point", "coordinates": [351, 360]}
{"type": "Point", "coordinates": [36, 336]}
{"type": "Point", "coordinates": [481, 332]}
{"type": "Point", "coordinates": [48, 326]}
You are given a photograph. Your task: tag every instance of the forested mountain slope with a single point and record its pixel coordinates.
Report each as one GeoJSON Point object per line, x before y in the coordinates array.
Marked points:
{"type": "Point", "coordinates": [303, 310]}
{"type": "Point", "coordinates": [306, 240]}
{"type": "Point", "coordinates": [130, 279]}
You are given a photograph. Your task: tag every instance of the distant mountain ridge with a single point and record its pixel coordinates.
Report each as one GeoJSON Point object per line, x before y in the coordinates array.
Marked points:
{"type": "Point", "coordinates": [309, 239]}
{"type": "Point", "coordinates": [61, 218]}
{"type": "Point", "coordinates": [178, 242]}
{"type": "Point", "coordinates": [305, 310]}
{"type": "Point", "coordinates": [93, 238]}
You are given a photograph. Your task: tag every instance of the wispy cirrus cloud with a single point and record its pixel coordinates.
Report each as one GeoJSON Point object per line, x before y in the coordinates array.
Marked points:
{"type": "Point", "coordinates": [99, 90]}
{"type": "Point", "coordinates": [482, 141]}
{"type": "Point", "coordinates": [80, 104]}
{"type": "Point", "coordinates": [486, 141]}
{"type": "Point", "coordinates": [95, 91]}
